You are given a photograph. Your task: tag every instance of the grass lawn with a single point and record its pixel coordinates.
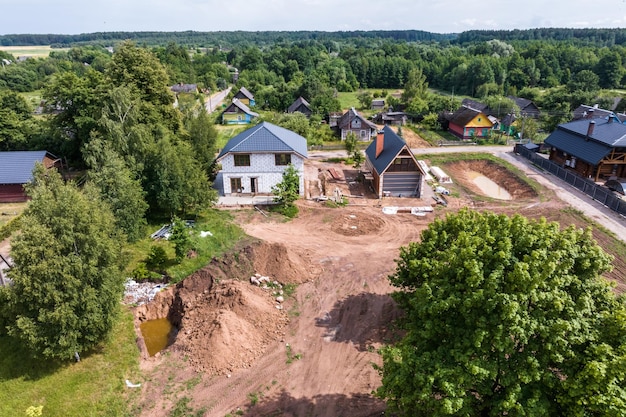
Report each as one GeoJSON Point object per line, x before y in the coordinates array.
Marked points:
{"type": "Point", "coordinates": [9, 211]}
{"type": "Point", "coordinates": [92, 387]}
{"type": "Point", "coordinates": [225, 235]}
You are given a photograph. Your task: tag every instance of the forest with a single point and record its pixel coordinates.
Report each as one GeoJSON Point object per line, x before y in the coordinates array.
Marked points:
{"type": "Point", "coordinates": [102, 105]}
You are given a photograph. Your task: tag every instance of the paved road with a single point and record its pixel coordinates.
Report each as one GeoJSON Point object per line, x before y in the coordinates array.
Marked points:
{"type": "Point", "coordinates": [592, 209]}
{"type": "Point", "coordinates": [214, 101]}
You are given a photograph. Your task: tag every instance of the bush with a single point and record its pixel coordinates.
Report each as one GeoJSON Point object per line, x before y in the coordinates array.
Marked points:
{"type": "Point", "coordinates": [157, 257]}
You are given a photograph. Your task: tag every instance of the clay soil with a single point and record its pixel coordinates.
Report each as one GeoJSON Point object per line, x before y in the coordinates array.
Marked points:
{"type": "Point", "coordinates": [237, 353]}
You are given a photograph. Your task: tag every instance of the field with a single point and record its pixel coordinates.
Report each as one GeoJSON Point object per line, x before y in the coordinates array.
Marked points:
{"type": "Point", "coordinates": [40, 51]}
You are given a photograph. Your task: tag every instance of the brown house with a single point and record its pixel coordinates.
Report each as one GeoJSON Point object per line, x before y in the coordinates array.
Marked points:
{"type": "Point", "coordinates": [16, 170]}
{"type": "Point", "coordinates": [593, 148]}
{"type": "Point", "coordinates": [302, 106]}
{"type": "Point", "coordinates": [395, 171]}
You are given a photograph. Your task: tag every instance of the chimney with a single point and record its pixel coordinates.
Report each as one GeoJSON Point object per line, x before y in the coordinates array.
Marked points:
{"type": "Point", "coordinates": [592, 125]}
{"type": "Point", "coordinates": [590, 114]}
{"type": "Point", "coordinates": [380, 142]}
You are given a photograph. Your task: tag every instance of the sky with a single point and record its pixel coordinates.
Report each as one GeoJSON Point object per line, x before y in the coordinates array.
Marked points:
{"type": "Point", "coordinates": [439, 16]}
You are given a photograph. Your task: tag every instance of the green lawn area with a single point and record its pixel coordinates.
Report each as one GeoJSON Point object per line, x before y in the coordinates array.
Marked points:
{"type": "Point", "coordinates": [225, 235]}
{"type": "Point", "coordinates": [95, 386]}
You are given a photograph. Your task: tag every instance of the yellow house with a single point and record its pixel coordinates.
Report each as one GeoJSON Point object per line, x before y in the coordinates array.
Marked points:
{"type": "Point", "coordinates": [468, 123]}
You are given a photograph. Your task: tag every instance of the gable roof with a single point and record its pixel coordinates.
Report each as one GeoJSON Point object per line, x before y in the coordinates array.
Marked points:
{"type": "Point", "coordinates": [464, 115]}
{"type": "Point", "coordinates": [572, 138]}
{"type": "Point", "coordinates": [244, 91]}
{"type": "Point", "coordinates": [590, 112]}
{"type": "Point", "coordinates": [299, 101]}
{"type": "Point", "coordinates": [266, 137]}
{"type": "Point", "coordinates": [476, 105]}
{"type": "Point", "coordinates": [242, 107]}
{"type": "Point", "coordinates": [17, 167]}
{"type": "Point", "coordinates": [347, 117]}
{"type": "Point", "coordinates": [392, 146]}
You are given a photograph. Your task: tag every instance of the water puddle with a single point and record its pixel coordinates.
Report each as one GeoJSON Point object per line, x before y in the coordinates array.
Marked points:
{"type": "Point", "coordinates": [488, 187]}
{"type": "Point", "coordinates": [157, 334]}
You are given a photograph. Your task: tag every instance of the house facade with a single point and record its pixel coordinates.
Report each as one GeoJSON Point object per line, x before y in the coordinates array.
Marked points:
{"type": "Point", "coordinates": [237, 113]}
{"type": "Point", "coordinates": [593, 148]}
{"type": "Point", "coordinates": [353, 122]}
{"type": "Point", "coordinates": [16, 170]}
{"type": "Point", "coordinates": [254, 161]}
{"type": "Point", "coordinates": [467, 123]}
{"type": "Point", "coordinates": [246, 97]}
{"type": "Point", "coordinates": [395, 171]}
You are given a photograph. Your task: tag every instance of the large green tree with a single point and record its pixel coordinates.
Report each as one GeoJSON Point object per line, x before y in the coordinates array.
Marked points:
{"type": "Point", "coordinates": [505, 316]}
{"type": "Point", "coordinates": [67, 276]}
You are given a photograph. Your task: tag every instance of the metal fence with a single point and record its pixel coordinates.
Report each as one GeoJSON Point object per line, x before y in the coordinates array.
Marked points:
{"type": "Point", "coordinates": [593, 190]}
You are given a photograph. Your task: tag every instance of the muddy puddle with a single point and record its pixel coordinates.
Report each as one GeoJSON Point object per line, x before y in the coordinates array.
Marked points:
{"type": "Point", "coordinates": [488, 187]}
{"type": "Point", "coordinates": [157, 334]}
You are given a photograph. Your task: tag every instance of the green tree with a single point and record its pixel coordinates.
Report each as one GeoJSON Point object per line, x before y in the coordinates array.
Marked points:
{"type": "Point", "coordinates": [288, 190]}
{"type": "Point", "coordinates": [365, 99]}
{"type": "Point", "coordinates": [118, 187]}
{"type": "Point", "coordinates": [505, 316]}
{"type": "Point", "coordinates": [351, 142]}
{"type": "Point", "coordinates": [67, 276]}
{"type": "Point", "coordinates": [180, 238]}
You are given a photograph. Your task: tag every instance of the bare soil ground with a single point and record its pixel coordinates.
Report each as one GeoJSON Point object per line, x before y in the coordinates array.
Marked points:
{"type": "Point", "coordinates": [237, 353]}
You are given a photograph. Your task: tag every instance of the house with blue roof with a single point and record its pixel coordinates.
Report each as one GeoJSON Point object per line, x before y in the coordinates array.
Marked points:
{"type": "Point", "coordinates": [16, 170]}
{"type": "Point", "coordinates": [395, 171]}
{"type": "Point", "coordinates": [593, 148]}
{"type": "Point", "coordinates": [254, 160]}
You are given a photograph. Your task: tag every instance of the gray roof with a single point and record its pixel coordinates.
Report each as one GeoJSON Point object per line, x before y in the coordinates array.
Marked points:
{"type": "Point", "coordinates": [184, 88]}
{"type": "Point", "coordinates": [242, 107]}
{"type": "Point", "coordinates": [266, 137]}
{"type": "Point", "coordinates": [296, 105]}
{"type": "Point", "coordinates": [244, 91]}
{"type": "Point", "coordinates": [17, 167]}
{"type": "Point", "coordinates": [393, 144]}
{"type": "Point", "coordinates": [572, 138]}
{"type": "Point", "coordinates": [351, 114]}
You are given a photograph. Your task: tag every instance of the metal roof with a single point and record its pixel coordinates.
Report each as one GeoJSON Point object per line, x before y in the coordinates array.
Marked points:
{"type": "Point", "coordinates": [17, 167]}
{"type": "Point", "coordinates": [392, 146]}
{"type": "Point", "coordinates": [575, 145]}
{"type": "Point", "coordinates": [266, 137]}
{"type": "Point", "coordinates": [296, 104]}
{"type": "Point", "coordinates": [346, 119]}
{"type": "Point", "coordinates": [241, 107]}
{"type": "Point", "coordinates": [244, 91]}
{"type": "Point", "coordinates": [606, 131]}
{"type": "Point", "coordinates": [617, 185]}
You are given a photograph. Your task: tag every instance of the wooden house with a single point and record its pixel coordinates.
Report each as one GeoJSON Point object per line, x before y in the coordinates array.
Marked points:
{"type": "Point", "coordinates": [238, 113]}
{"type": "Point", "coordinates": [245, 97]}
{"type": "Point", "coordinates": [378, 104]}
{"type": "Point", "coordinates": [302, 106]}
{"type": "Point", "coordinates": [395, 171]}
{"type": "Point", "coordinates": [353, 122]}
{"type": "Point", "coordinates": [593, 148]}
{"type": "Point", "coordinates": [393, 118]}
{"type": "Point", "coordinates": [468, 123]}
{"type": "Point", "coordinates": [16, 170]}
{"type": "Point", "coordinates": [254, 160]}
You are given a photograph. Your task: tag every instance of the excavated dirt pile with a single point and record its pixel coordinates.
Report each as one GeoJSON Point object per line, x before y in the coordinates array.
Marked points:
{"type": "Point", "coordinates": [225, 322]}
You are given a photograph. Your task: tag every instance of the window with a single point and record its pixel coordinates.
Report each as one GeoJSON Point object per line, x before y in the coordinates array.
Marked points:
{"type": "Point", "coordinates": [235, 185]}
{"type": "Point", "coordinates": [282, 159]}
{"type": "Point", "coordinates": [242, 160]}
{"type": "Point", "coordinates": [363, 134]}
